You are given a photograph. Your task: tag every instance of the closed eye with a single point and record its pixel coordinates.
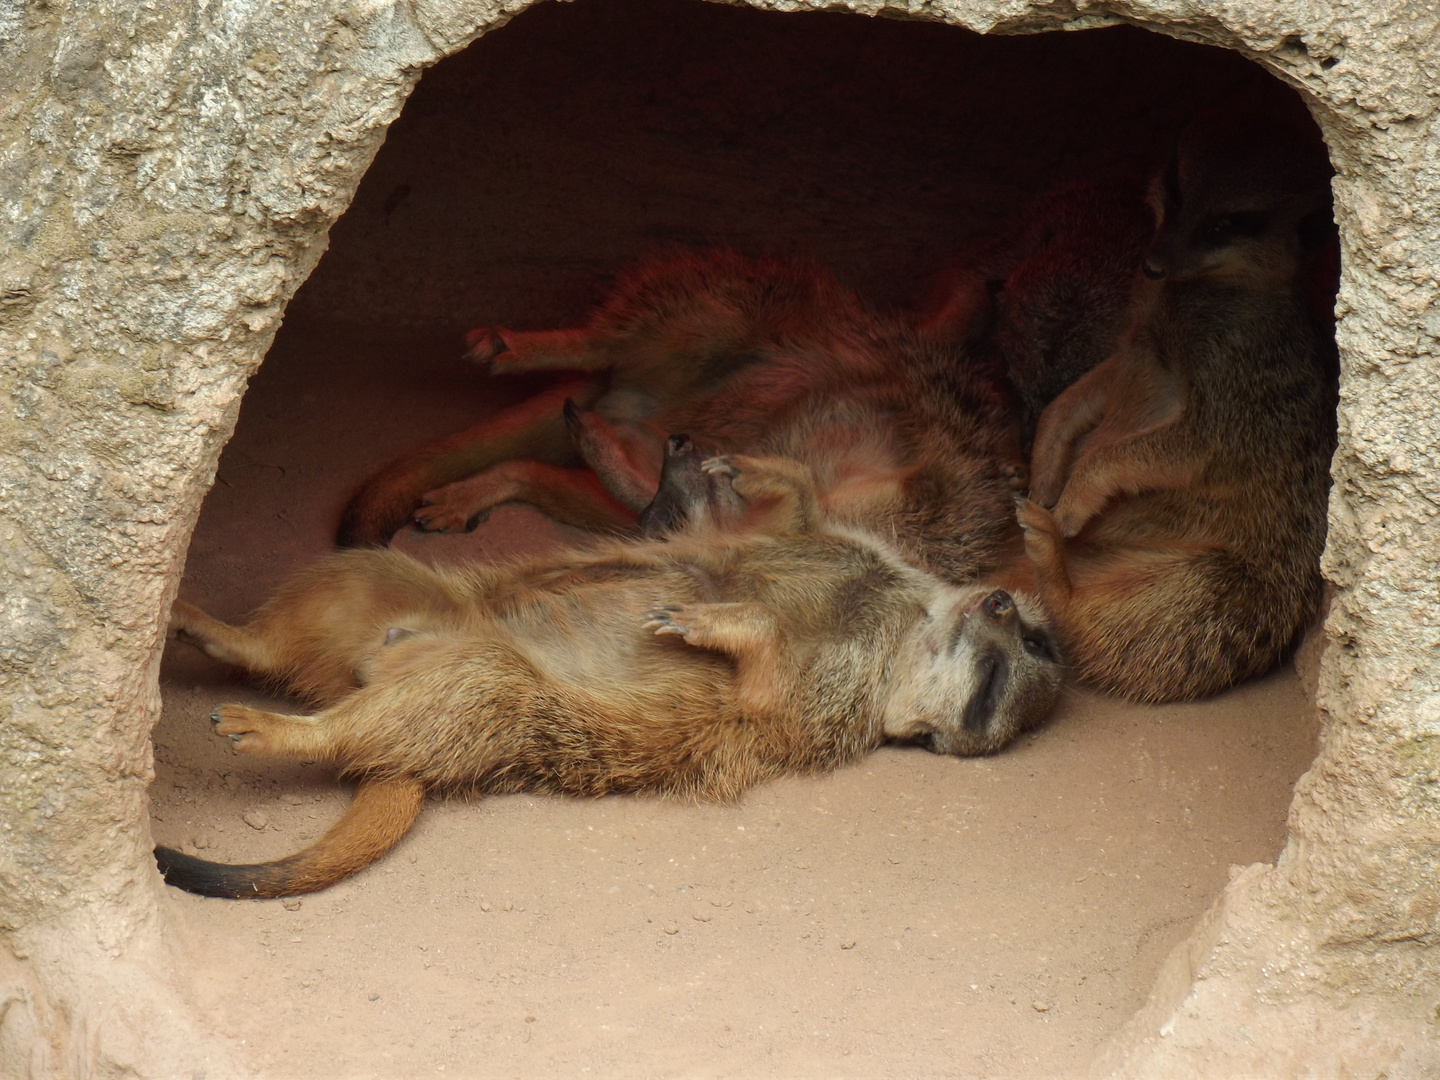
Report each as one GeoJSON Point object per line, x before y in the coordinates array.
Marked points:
{"type": "Point", "coordinates": [1223, 228]}
{"type": "Point", "coordinates": [1037, 645]}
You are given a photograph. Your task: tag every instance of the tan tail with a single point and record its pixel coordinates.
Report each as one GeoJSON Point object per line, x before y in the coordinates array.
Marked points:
{"type": "Point", "coordinates": [381, 814]}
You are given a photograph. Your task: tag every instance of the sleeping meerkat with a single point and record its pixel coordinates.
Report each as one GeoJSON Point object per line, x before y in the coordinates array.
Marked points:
{"type": "Point", "coordinates": [909, 438]}
{"type": "Point", "coordinates": [1180, 487]}
{"type": "Point", "coordinates": [696, 666]}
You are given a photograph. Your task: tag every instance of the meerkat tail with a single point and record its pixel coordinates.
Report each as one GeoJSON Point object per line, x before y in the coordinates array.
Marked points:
{"type": "Point", "coordinates": [381, 814]}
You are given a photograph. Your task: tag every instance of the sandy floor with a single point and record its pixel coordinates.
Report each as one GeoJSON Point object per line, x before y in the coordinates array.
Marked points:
{"type": "Point", "coordinates": [913, 916]}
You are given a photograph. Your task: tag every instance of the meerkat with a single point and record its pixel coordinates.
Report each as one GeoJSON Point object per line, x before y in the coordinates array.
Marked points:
{"type": "Point", "coordinates": [1179, 488]}
{"type": "Point", "coordinates": [695, 666]}
{"type": "Point", "coordinates": [1049, 300]}
{"type": "Point", "coordinates": [1065, 305]}
{"type": "Point", "coordinates": [908, 438]}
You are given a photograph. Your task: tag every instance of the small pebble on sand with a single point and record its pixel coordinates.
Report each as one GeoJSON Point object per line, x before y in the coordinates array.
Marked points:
{"type": "Point", "coordinates": [291, 905]}
{"type": "Point", "coordinates": [1040, 1006]}
{"type": "Point", "coordinates": [255, 819]}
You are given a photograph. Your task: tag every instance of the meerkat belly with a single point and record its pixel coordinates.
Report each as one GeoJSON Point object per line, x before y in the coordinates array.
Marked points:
{"type": "Point", "coordinates": [596, 640]}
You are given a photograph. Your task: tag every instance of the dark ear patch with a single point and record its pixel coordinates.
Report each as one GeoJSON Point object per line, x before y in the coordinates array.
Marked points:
{"type": "Point", "coordinates": [1221, 229]}
{"type": "Point", "coordinates": [980, 709]}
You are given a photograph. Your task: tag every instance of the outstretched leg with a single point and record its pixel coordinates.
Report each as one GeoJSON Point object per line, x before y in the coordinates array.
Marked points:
{"type": "Point", "coordinates": [235, 645]}
{"type": "Point", "coordinates": [255, 731]}
{"type": "Point", "coordinates": [533, 429]}
{"type": "Point", "coordinates": [627, 458]}
{"type": "Point", "coordinates": [571, 496]}
{"type": "Point", "coordinates": [508, 352]}
{"type": "Point", "coordinates": [1045, 548]}
{"type": "Point", "coordinates": [1065, 421]}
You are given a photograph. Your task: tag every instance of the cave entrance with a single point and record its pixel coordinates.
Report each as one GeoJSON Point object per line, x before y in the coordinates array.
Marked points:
{"type": "Point", "coordinates": [1004, 914]}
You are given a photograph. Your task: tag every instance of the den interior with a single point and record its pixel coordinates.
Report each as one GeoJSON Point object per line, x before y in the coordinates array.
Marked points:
{"type": "Point", "coordinates": [914, 915]}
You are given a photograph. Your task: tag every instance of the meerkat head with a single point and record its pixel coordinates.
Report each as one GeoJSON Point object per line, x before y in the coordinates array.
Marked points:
{"type": "Point", "coordinates": [1242, 200]}
{"type": "Point", "coordinates": [978, 670]}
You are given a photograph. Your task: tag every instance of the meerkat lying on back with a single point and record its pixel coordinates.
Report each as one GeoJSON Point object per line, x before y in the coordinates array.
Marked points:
{"type": "Point", "coordinates": [693, 667]}
{"type": "Point", "coordinates": [1186, 476]}
{"type": "Point", "coordinates": [907, 437]}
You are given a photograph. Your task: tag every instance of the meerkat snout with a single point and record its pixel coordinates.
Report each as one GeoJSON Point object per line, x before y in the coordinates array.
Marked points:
{"type": "Point", "coordinates": [998, 606]}
{"type": "Point", "coordinates": [998, 677]}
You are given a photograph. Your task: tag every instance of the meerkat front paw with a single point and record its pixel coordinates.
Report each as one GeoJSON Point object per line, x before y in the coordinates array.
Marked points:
{"type": "Point", "coordinates": [665, 620]}
{"type": "Point", "coordinates": [723, 467]}
{"type": "Point", "coordinates": [687, 621]}
{"type": "Point", "coordinates": [760, 477]}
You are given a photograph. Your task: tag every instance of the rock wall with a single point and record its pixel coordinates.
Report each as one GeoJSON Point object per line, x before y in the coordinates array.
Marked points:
{"type": "Point", "coordinates": [168, 175]}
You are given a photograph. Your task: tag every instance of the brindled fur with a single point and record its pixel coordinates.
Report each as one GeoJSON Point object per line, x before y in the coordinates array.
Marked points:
{"type": "Point", "coordinates": [694, 667]}
{"type": "Point", "coordinates": [1186, 476]}
{"type": "Point", "coordinates": [909, 437]}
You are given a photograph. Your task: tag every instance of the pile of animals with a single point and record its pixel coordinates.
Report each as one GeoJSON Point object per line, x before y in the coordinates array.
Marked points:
{"type": "Point", "coordinates": [1105, 451]}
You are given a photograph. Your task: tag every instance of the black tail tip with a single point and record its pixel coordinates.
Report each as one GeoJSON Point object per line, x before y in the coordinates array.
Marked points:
{"type": "Point", "coordinates": [209, 878]}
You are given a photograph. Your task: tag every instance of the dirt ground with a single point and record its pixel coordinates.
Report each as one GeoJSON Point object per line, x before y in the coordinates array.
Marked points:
{"type": "Point", "coordinates": [911, 916]}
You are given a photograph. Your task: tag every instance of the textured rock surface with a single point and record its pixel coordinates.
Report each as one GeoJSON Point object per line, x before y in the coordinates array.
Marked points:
{"type": "Point", "coordinates": [168, 173]}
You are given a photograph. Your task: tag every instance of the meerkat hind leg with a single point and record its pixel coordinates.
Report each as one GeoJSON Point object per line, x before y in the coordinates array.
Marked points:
{"type": "Point", "coordinates": [627, 459]}
{"type": "Point", "coordinates": [571, 496]}
{"type": "Point", "coordinates": [507, 352]}
{"type": "Point", "coordinates": [235, 645]}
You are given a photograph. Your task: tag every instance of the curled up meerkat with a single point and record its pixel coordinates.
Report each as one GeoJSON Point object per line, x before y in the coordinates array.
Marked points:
{"type": "Point", "coordinates": [1179, 488]}
{"type": "Point", "coordinates": [694, 667]}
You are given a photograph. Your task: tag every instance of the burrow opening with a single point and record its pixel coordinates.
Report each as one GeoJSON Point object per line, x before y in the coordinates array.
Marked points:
{"type": "Point", "coordinates": [913, 910]}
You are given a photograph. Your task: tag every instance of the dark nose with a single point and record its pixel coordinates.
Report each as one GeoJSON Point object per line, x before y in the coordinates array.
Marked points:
{"type": "Point", "coordinates": [1151, 271]}
{"type": "Point", "coordinates": [997, 605]}
{"type": "Point", "coordinates": [678, 446]}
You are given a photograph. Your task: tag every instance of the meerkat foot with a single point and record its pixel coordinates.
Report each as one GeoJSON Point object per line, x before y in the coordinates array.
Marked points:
{"type": "Point", "coordinates": [255, 731]}
{"type": "Point", "coordinates": [485, 345]}
{"type": "Point", "coordinates": [248, 729]}
{"type": "Point", "coordinates": [453, 508]}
